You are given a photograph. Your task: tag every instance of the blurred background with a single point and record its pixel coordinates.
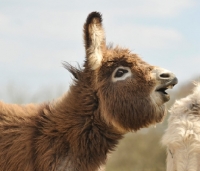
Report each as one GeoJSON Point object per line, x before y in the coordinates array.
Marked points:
{"type": "Point", "coordinates": [37, 36]}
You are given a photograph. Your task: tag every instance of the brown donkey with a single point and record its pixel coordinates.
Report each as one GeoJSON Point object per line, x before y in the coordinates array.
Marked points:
{"type": "Point", "coordinates": [115, 92]}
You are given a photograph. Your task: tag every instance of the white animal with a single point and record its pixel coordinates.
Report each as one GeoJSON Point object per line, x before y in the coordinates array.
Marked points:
{"type": "Point", "coordinates": [182, 136]}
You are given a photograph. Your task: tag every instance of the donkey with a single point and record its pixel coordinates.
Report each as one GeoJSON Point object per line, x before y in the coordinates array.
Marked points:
{"type": "Point", "coordinates": [113, 93]}
{"type": "Point", "coordinates": [182, 136]}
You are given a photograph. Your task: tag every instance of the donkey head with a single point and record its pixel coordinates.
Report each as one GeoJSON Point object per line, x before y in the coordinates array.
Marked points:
{"type": "Point", "coordinates": [131, 92]}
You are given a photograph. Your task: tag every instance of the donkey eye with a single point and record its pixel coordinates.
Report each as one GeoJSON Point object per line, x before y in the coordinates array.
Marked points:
{"type": "Point", "coordinates": [120, 72]}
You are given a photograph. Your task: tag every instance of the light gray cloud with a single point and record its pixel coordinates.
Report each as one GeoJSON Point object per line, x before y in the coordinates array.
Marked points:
{"type": "Point", "coordinates": [159, 9]}
{"type": "Point", "coordinates": [146, 37]}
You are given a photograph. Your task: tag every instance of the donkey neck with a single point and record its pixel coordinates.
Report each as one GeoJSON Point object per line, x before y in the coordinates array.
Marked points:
{"type": "Point", "coordinates": [77, 116]}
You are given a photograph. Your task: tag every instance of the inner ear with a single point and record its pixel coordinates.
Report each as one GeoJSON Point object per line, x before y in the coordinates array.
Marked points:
{"type": "Point", "coordinates": [94, 39]}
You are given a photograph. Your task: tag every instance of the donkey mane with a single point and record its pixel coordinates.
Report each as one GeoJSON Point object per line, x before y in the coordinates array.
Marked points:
{"type": "Point", "coordinates": [113, 93]}
{"type": "Point", "coordinates": [76, 72]}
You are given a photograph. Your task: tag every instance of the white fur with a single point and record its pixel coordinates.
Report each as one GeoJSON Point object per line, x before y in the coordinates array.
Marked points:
{"type": "Point", "coordinates": [182, 136]}
{"type": "Point", "coordinates": [95, 50]}
{"type": "Point", "coordinates": [66, 165]}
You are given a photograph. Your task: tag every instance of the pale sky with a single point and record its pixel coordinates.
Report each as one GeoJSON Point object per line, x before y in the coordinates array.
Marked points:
{"type": "Point", "coordinates": [36, 36]}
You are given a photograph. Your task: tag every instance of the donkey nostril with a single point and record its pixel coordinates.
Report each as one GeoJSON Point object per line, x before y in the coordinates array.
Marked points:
{"type": "Point", "coordinates": [165, 75]}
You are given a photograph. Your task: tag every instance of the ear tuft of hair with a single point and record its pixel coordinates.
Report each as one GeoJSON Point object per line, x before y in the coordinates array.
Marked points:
{"type": "Point", "coordinates": [73, 70]}
{"type": "Point", "coordinates": [94, 17]}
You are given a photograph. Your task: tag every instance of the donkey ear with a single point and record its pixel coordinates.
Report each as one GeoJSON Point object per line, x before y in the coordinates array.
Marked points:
{"type": "Point", "coordinates": [94, 39]}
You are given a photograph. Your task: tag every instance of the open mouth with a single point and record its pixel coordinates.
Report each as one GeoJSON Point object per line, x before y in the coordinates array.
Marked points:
{"type": "Point", "coordinates": [162, 88]}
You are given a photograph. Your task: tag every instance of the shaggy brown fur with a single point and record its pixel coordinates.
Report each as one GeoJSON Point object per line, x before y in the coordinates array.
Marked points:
{"type": "Point", "coordinates": [114, 93]}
